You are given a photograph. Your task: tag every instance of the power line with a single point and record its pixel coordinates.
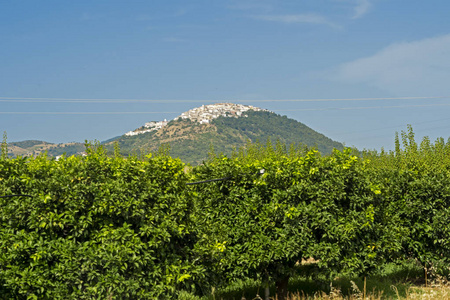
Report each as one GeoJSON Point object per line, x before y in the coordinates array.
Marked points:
{"type": "Point", "coordinates": [100, 100]}
{"type": "Point", "coordinates": [174, 112]}
{"type": "Point", "coordinates": [364, 107]}
{"type": "Point", "coordinates": [84, 113]}
{"type": "Point", "coordinates": [389, 127]}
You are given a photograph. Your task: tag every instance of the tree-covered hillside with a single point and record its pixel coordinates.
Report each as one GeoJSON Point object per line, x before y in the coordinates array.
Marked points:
{"type": "Point", "coordinates": [191, 141]}
{"type": "Point", "coordinates": [267, 125]}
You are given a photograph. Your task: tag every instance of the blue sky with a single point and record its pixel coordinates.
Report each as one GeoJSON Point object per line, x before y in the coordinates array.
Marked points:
{"type": "Point", "coordinates": [62, 63]}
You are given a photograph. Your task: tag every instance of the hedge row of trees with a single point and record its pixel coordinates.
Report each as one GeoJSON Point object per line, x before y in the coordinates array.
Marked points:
{"type": "Point", "coordinates": [130, 228]}
{"type": "Point", "coordinates": [95, 227]}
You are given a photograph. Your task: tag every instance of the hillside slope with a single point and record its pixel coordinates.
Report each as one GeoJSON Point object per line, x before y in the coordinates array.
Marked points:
{"type": "Point", "coordinates": [191, 141]}
{"type": "Point", "coordinates": [223, 126]}
{"type": "Point", "coordinates": [34, 148]}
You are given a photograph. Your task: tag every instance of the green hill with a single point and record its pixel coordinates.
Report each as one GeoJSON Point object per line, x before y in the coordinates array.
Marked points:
{"type": "Point", "coordinates": [34, 147]}
{"type": "Point", "coordinates": [191, 141]}
{"type": "Point", "coordinates": [223, 126]}
{"type": "Point", "coordinates": [29, 144]}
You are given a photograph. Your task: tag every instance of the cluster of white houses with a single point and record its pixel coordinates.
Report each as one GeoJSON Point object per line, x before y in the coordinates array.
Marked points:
{"type": "Point", "coordinates": [148, 127]}
{"type": "Point", "coordinates": [207, 113]}
{"type": "Point", "coordinates": [203, 115]}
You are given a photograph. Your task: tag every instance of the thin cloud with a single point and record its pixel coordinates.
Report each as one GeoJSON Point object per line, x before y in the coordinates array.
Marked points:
{"type": "Point", "coordinates": [359, 8]}
{"type": "Point", "coordinates": [362, 7]}
{"type": "Point", "coordinates": [409, 68]}
{"type": "Point", "coordinates": [298, 18]}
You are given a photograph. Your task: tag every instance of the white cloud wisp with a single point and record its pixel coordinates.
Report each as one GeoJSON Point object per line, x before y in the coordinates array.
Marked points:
{"type": "Point", "coordinates": [409, 68]}
{"type": "Point", "coordinates": [297, 18]}
{"type": "Point", "coordinates": [362, 8]}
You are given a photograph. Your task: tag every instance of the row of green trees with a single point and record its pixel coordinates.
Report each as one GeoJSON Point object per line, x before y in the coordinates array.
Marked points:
{"type": "Point", "coordinates": [304, 205]}
{"type": "Point", "coordinates": [94, 227]}
{"type": "Point", "coordinates": [114, 227]}
{"type": "Point", "coordinates": [414, 181]}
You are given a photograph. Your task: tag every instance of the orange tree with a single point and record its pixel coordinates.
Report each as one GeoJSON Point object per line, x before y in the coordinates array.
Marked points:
{"type": "Point", "coordinates": [304, 205]}
{"type": "Point", "coordinates": [95, 227]}
{"type": "Point", "coordinates": [415, 180]}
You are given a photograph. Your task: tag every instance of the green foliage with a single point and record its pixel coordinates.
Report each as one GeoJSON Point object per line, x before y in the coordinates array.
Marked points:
{"type": "Point", "coordinates": [129, 228]}
{"type": "Point", "coordinates": [304, 205]}
{"type": "Point", "coordinates": [416, 186]}
{"type": "Point", "coordinates": [96, 227]}
{"type": "Point", "coordinates": [261, 126]}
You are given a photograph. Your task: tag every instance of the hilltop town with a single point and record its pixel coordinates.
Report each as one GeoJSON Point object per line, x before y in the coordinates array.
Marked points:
{"type": "Point", "coordinates": [203, 115]}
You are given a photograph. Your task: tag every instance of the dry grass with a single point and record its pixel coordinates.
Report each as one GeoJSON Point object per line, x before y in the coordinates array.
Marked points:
{"type": "Point", "coordinates": [439, 289]}
{"type": "Point", "coordinates": [434, 292]}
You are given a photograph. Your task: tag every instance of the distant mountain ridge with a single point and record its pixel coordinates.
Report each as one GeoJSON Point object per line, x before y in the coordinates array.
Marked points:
{"type": "Point", "coordinates": [35, 147]}
{"type": "Point", "coordinates": [190, 136]}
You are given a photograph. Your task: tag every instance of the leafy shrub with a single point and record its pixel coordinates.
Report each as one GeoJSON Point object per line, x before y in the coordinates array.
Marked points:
{"type": "Point", "coordinates": [304, 205]}
{"type": "Point", "coordinates": [95, 227]}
